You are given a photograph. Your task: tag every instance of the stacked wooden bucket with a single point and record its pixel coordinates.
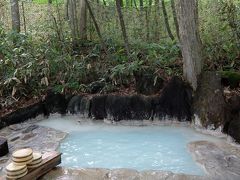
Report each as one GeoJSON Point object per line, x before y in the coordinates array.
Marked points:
{"type": "Point", "coordinates": [22, 160]}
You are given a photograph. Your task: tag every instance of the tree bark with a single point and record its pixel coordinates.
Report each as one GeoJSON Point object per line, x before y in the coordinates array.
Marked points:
{"type": "Point", "coordinates": [95, 24]}
{"type": "Point", "coordinates": [66, 9]}
{"type": "Point", "coordinates": [124, 32]}
{"type": "Point", "coordinates": [24, 18]}
{"type": "Point", "coordinates": [166, 20]}
{"type": "Point", "coordinates": [141, 4]}
{"type": "Point", "coordinates": [156, 17]}
{"type": "Point", "coordinates": [175, 17]}
{"type": "Point", "coordinates": [15, 15]}
{"type": "Point", "coordinates": [83, 20]}
{"type": "Point", "coordinates": [190, 40]}
{"type": "Point", "coordinates": [72, 21]}
{"type": "Point", "coordinates": [121, 3]}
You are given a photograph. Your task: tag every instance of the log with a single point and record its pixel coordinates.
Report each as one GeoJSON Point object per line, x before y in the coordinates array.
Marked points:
{"type": "Point", "coordinates": [3, 146]}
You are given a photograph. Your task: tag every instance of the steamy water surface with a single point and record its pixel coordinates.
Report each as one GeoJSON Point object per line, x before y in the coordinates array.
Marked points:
{"type": "Point", "coordinates": [137, 147]}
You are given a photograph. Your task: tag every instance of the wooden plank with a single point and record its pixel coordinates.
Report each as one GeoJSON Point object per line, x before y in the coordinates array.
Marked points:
{"type": "Point", "coordinates": [50, 160]}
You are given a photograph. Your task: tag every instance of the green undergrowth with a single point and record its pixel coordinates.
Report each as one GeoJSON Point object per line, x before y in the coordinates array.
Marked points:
{"type": "Point", "coordinates": [30, 66]}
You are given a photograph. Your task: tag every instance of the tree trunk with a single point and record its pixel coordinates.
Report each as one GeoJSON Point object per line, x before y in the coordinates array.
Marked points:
{"type": "Point", "coordinates": [72, 21]}
{"type": "Point", "coordinates": [166, 20]}
{"type": "Point", "coordinates": [96, 25]}
{"type": "Point", "coordinates": [24, 18]}
{"type": "Point", "coordinates": [124, 32]}
{"type": "Point", "coordinates": [141, 4]}
{"type": "Point", "coordinates": [66, 10]}
{"type": "Point", "coordinates": [175, 17]}
{"type": "Point", "coordinates": [156, 17]}
{"type": "Point", "coordinates": [83, 20]}
{"type": "Point", "coordinates": [15, 16]}
{"type": "Point", "coordinates": [190, 40]}
{"type": "Point", "coordinates": [121, 3]}
{"type": "Point", "coordinates": [147, 23]}
{"type": "Point", "coordinates": [104, 2]}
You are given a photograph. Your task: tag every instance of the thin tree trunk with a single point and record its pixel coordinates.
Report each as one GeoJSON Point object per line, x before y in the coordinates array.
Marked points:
{"type": "Point", "coordinates": [127, 3]}
{"type": "Point", "coordinates": [124, 32]}
{"type": "Point", "coordinates": [190, 40]}
{"type": "Point", "coordinates": [66, 10]}
{"type": "Point", "coordinates": [104, 2]}
{"type": "Point", "coordinates": [157, 15]}
{"type": "Point", "coordinates": [83, 20]}
{"type": "Point", "coordinates": [24, 18]}
{"type": "Point", "coordinates": [121, 3]}
{"type": "Point", "coordinates": [141, 4]}
{"type": "Point", "coordinates": [166, 20]}
{"type": "Point", "coordinates": [148, 14]}
{"type": "Point", "coordinates": [72, 21]}
{"type": "Point", "coordinates": [96, 25]}
{"type": "Point", "coordinates": [135, 4]}
{"type": "Point", "coordinates": [147, 23]}
{"type": "Point", "coordinates": [175, 17]}
{"type": "Point", "coordinates": [15, 15]}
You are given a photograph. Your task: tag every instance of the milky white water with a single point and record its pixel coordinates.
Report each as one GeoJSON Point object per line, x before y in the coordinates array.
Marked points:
{"type": "Point", "coordinates": [116, 146]}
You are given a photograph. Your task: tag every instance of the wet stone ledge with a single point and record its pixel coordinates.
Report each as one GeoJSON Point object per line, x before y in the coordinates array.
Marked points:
{"type": "Point", "coordinates": [29, 134]}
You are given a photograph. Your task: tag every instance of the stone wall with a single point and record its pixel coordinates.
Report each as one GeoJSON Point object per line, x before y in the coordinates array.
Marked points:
{"type": "Point", "coordinates": [174, 102]}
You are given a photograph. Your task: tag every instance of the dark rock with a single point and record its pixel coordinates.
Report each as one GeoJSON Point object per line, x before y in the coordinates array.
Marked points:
{"type": "Point", "coordinates": [85, 107]}
{"type": "Point", "coordinates": [234, 129]}
{"type": "Point", "coordinates": [97, 107]}
{"type": "Point", "coordinates": [23, 114]}
{"type": "Point", "coordinates": [96, 86]}
{"type": "Point", "coordinates": [68, 97]}
{"type": "Point", "coordinates": [232, 118]}
{"type": "Point", "coordinates": [234, 104]}
{"type": "Point", "coordinates": [30, 128]}
{"type": "Point", "coordinates": [175, 101]}
{"type": "Point", "coordinates": [55, 103]}
{"type": "Point", "coordinates": [2, 124]}
{"type": "Point", "coordinates": [209, 103]}
{"type": "Point", "coordinates": [3, 146]}
{"type": "Point", "coordinates": [128, 107]}
{"type": "Point", "coordinates": [118, 107]}
{"type": "Point", "coordinates": [230, 78]}
{"type": "Point", "coordinates": [141, 107]}
{"type": "Point", "coordinates": [147, 82]}
{"type": "Point", "coordinates": [74, 104]}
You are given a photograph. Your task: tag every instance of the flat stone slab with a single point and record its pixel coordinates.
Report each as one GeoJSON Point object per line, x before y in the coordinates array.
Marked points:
{"type": "Point", "coordinates": [61, 173]}
{"type": "Point", "coordinates": [221, 161]}
{"type": "Point", "coordinates": [27, 134]}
